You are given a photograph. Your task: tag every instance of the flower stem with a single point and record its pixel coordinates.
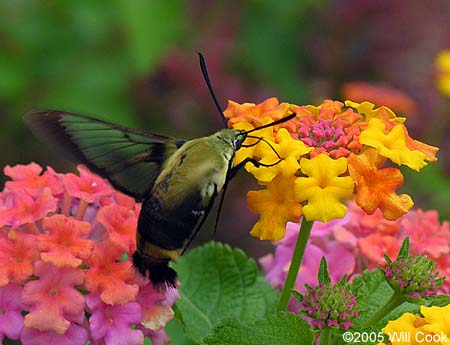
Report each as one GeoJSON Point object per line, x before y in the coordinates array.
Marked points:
{"type": "Point", "coordinates": [395, 300]}
{"type": "Point", "coordinates": [296, 261]}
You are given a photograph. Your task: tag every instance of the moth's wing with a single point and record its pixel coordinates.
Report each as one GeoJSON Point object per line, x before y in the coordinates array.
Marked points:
{"type": "Point", "coordinates": [130, 159]}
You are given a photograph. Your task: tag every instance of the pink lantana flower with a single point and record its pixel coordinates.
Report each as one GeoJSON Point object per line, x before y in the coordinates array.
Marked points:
{"type": "Point", "coordinates": [74, 335]}
{"type": "Point", "coordinates": [63, 244]}
{"type": "Point", "coordinates": [112, 324]}
{"type": "Point", "coordinates": [21, 208]}
{"type": "Point", "coordinates": [65, 236]}
{"type": "Point", "coordinates": [155, 314]}
{"type": "Point", "coordinates": [53, 299]}
{"type": "Point", "coordinates": [426, 234]}
{"type": "Point", "coordinates": [340, 258]}
{"type": "Point", "coordinates": [115, 281]}
{"type": "Point", "coordinates": [87, 187]}
{"type": "Point", "coordinates": [121, 224]}
{"type": "Point", "coordinates": [358, 242]}
{"type": "Point", "coordinates": [11, 319]}
{"type": "Point", "coordinates": [18, 251]}
{"type": "Point", "coordinates": [31, 179]}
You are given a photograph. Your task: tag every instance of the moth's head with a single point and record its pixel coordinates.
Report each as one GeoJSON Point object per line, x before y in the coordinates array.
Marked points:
{"type": "Point", "coordinates": [232, 137]}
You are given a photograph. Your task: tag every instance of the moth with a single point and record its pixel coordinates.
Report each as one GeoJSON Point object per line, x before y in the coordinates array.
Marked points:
{"type": "Point", "coordinates": [176, 180]}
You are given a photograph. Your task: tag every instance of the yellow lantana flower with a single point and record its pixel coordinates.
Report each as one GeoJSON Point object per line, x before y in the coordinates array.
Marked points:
{"type": "Point", "coordinates": [276, 204]}
{"type": "Point", "coordinates": [392, 145]}
{"type": "Point", "coordinates": [324, 188]}
{"type": "Point", "coordinates": [250, 144]}
{"type": "Point", "coordinates": [438, 319]}
{"type": "Point", "coordinates": [410, 329]}
{"type": "Point", "coordinates": [290, 151]}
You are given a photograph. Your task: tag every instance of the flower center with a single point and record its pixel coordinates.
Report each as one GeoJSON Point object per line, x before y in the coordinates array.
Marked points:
{"type": "Point", "coordinates": [331, 136]}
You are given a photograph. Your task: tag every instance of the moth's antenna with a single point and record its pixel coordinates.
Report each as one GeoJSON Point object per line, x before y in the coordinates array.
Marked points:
{"type": "Point", "coordinates": [277, 122]}
{"type": "Point", "coordinates": [264, 140]}
{"type": "Point", "coordinates": [210, 88]}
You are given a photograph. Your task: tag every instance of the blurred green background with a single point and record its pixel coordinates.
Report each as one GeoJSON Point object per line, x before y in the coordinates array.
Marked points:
{"type": "Point", "coordinates": [134, 62]}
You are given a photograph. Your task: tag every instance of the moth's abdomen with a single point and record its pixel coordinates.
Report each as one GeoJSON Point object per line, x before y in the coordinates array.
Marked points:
{"type": "Point", "coordinates": [159, 272]}
{"type": "Point", "coordinates": [161, 235]}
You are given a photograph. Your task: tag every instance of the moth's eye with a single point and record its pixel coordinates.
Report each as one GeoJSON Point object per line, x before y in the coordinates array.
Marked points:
{"type": "Point", "coordinates": [237, 143]}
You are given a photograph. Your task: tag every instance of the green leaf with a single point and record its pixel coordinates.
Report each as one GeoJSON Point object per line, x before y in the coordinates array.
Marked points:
{"type": "Point", "coordinates": [282, 328]}
{"type": "Point", "coordinates": [216, 283]}
{"type": "Point", "coordinates": [175, 331]}
{"type": "Point", "coordinates": [439, 301]}
{"type": "Point", "coordinates": [323, 276]}
{"type": "Point", "coordinates": [372, 293]}
{"type": "Point", "coordinates": [404, 249]}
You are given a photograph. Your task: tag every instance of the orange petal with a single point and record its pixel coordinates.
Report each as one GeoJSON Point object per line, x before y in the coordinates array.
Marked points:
{"type": "Point", "coordinates": [375, 188]}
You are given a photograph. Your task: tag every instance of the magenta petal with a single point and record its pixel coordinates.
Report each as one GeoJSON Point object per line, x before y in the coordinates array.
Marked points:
{"type": "Point", "coordinates": [11, 324]}
{"type": "Point", "coordinates": [124, 336]}
{"type": "Point", "coordinates": [75, 335]}
{"type": "Point", "coordinates": [112, 323]}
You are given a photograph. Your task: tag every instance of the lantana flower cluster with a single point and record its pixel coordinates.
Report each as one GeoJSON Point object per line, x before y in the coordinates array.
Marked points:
{"type": "Point", "coordinates": [66, 276]}
{"type": "Point", "coordinates": [326, 154]}
{"type": "Point", "coordinates": [358, 242]}
{"type": "Point", "coordinates": [328, 305]}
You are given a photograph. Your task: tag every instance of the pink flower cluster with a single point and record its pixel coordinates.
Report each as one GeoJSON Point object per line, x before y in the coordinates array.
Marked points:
{"type": "Point", "coordinates": [66, 276]}
{"type": "Point", "coordinates": [358, 242]}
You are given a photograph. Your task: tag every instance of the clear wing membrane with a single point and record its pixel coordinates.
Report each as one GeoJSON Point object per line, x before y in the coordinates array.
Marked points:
{"type": "Point", "coordinates": [130, 159]}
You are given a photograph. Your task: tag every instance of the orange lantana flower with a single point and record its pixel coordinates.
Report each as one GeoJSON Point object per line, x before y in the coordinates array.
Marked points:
{"type": "Point", "coordinates": [255, 113]}
{"type": "Point", "coordinates": [375, 188]}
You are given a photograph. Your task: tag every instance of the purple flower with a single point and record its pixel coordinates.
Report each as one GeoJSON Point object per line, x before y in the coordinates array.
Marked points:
{"type": "Point", "coordinates": [112, 324]}
{"type": "Point", "coordinates": [11, 319]}
{"type": "Point", "coordinates": [339, 257]}
{"type": "Point", "coordinates": [75, 335]}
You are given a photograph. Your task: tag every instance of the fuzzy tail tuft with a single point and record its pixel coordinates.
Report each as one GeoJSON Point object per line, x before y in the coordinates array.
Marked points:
{"type": "Point", "coordinates": [159, 273]}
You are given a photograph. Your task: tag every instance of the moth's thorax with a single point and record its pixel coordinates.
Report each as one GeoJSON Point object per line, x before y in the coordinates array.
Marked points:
{"type": "Point", "coordinates": [199, 167]}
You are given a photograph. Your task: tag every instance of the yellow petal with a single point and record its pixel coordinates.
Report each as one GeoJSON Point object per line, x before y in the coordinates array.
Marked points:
{"type": "Point", "coordinates": [324, 188]}
{"type": "Point", "coordinates": [392, 145]}
{"type": "Point", "coordinates": [438, 319]}
{"type": "Point", "coordinates": [276, 205]}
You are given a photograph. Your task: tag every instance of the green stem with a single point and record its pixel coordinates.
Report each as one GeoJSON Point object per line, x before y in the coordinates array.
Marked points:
{"type": "Point", "coordinates": [395, 300]}
{"type": "Point", "coordinates": [296, 261]}
{"type": "Point", "coordinates": [325, 336]}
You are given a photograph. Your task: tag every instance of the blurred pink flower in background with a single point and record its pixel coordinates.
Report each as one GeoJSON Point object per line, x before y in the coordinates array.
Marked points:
{"type": "Point", "coordinates": [358, 242]}
{"type": "Point", "coordinates": [65, 244]}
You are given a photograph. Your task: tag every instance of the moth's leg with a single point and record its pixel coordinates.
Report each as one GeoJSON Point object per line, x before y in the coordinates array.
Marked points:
{"type": "Point", "coordinates": [255, 162]}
